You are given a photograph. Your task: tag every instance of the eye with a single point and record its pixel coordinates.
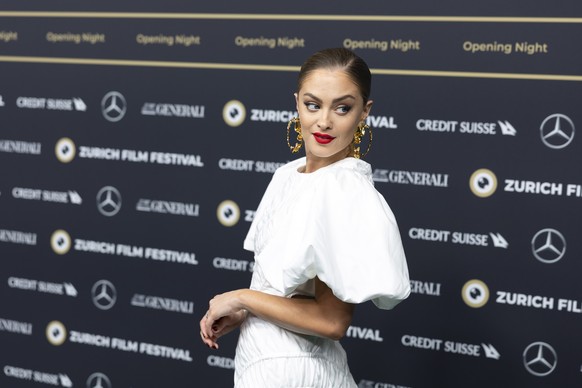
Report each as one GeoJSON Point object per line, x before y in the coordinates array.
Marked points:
{"type": "Point", "coordinates": [343, 109]}
{"type": "Point", "coordinates": [311, 106]}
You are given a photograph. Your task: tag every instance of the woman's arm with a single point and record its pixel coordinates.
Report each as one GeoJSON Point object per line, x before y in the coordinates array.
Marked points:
{"type": "Point", "coordinates": [323, 316]}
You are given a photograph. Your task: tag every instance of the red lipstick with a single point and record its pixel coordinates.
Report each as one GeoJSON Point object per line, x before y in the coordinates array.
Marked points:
{"type": "Point", "coordinates": [322, 138]}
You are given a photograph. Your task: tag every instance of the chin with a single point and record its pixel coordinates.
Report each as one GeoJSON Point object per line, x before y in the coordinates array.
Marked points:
{"type": "Point", "coordinates": [331, 154]}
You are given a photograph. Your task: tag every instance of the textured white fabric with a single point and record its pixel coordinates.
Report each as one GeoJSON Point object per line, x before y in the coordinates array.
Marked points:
{"type": "Point", "coordinates": [332, 224]}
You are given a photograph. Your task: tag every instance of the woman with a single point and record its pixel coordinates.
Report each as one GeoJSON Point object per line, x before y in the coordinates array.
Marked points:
{"type": "Point", "coordinates": [324, 240]}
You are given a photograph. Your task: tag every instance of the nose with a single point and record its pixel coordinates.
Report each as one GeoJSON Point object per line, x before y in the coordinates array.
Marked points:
{"type": "Point", "coordinates": [324, 121]}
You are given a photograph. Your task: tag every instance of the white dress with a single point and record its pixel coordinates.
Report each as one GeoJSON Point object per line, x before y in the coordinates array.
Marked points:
{"type": "Point", "coordinates": [332, 224]}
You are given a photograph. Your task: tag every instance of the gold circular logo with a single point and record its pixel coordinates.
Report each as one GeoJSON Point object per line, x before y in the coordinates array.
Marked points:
{"type": "Point", "coordinates": [65, 150]}
{"type": "Point", "coordinates": [475, 293]}
{"type": "Point", "coordinates": [60, 242]}
{"type": "Point", "coordinates": [234, 113]}
{"type": "Point", "coordinates": [483, 183]}
{"type": "Point", "coordinates": [56, 333]}
{"type": "Point", "coordinates": [228, 213]}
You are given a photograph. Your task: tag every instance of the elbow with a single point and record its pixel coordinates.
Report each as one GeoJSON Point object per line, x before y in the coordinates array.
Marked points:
{"type": "Point", "coordinates": [338, 333]}
{"type": "Point", "coordinates": [336, 336]}
{"type": "Point", "coordinates": [339, 328]}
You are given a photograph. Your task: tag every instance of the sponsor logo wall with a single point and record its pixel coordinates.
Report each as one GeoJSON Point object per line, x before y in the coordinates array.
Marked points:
{"type": "Point", "coordinates": [135, 146]}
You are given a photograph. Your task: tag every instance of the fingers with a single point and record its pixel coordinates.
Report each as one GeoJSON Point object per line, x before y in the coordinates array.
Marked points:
{"type": "Point", "coordinates": [208, 323]}
{"type": "Point", "coordinates": [218, 326]}
{"type": "Point", "coordinates": [206, 333]}
{"type": "Point", "coordinates": [208, 341]}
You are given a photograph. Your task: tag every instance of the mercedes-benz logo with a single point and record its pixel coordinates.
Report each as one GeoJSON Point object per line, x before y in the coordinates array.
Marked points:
{"type": "Point", "coordinates": [557, 131]}
{"type": "Point", "coordinates": [98, 380]}
{"type": "Point", "coordinates": [109, 201]}
{"type": "Point", "coordinates": [540, 359]}
{"type": "Point", "coordinates": [548, 245]}
{"type": "Point", "coordinates": [113, 106]}
{"type": "Point", "coordinates": [104, 294]}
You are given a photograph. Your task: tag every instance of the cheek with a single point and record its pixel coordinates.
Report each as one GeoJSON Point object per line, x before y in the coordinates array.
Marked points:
{"type": "Point", "coordinates": [350, 128]}
{"type": "Point", "coordinates": [304, 116]}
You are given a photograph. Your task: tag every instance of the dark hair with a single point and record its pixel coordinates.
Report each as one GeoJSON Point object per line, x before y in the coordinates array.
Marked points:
{"type": "Point", "coordinates": [339, 58]}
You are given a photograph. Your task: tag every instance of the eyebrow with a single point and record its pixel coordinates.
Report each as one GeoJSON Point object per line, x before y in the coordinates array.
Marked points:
{"type": "Point", "coordinates": [334, 100]}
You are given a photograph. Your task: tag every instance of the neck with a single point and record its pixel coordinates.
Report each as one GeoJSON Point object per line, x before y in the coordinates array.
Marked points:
{"type": "Point", "coordinates": [314, 163]}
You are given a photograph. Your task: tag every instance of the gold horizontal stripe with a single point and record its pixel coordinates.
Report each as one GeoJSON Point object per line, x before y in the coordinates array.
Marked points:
{"type": "Point", "coordinates": [131, 62]}
{"type": "Point", "coordinates": [474, 74]}
{"type": "Point", "coordinates": [246, 16]}
{"type": "Point", "coordinates": [239, 66]}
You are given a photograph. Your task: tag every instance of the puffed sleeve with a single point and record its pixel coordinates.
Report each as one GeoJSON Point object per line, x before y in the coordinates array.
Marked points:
{"type": "Point", "coordinates": [357, 249]}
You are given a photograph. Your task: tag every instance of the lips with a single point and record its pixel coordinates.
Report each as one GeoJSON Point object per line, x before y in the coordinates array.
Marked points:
{"type": "Point", "coordinates": [323, 138]}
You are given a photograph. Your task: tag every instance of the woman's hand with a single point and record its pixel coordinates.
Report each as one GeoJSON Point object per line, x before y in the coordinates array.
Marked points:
{"type": "Point", "coordinates": [324, 315]}
{"type": "Point", "coordinates": [223, 316]}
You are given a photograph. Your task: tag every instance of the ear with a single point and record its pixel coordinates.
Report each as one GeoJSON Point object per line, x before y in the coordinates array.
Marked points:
{"type": "Point", "coordinates": [296, 102]}
{"type": "Point", "coordinates": [367, 109]}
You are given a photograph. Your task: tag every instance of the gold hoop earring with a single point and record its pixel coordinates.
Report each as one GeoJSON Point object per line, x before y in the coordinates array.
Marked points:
{"type": "Point", "coordinates": [297, 127]}
{"type": "Point", "coordinates": [358, 134]}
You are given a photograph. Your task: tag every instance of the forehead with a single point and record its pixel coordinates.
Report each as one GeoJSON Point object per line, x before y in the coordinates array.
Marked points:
{"type": "Point", "coordinates": [334, 81]}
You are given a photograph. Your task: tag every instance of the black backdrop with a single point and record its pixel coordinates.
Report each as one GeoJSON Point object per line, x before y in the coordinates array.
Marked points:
{"type": "Point", "coordinates": [131, 171]}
